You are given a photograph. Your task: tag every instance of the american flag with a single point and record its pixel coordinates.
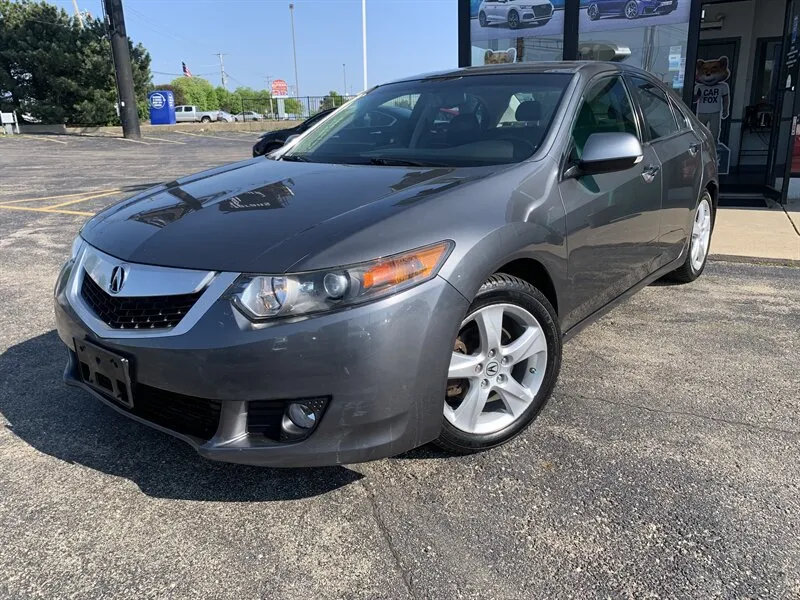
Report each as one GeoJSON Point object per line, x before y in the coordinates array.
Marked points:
{"type": "Point", "coordinates": [186, 71]}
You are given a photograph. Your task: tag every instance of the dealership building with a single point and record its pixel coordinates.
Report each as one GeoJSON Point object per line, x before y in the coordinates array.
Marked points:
{"type": "Point", "coordinates": [735, 62]}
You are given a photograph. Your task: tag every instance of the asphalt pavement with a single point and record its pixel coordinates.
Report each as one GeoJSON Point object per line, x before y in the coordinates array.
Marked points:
{"type": "Point", "coordinates": [665, 465]}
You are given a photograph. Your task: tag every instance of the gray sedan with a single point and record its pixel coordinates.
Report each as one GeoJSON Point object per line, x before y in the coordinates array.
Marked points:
{"type": "Point", "coordinates": [378, 284]}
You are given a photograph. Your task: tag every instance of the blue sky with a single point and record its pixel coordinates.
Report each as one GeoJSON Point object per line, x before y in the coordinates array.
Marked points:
{"type": "Point", "coordinates": [403, 37]}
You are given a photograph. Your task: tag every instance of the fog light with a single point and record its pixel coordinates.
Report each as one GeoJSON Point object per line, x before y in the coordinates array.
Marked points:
{"type": "Point", "coordinates": [301, 418]}
{"type": "Point", "coordinates": [301, 415]}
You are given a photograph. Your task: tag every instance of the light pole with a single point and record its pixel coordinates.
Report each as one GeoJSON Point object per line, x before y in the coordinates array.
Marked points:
{"type": "Point", "coordinates": [364, 37]}
{"type": "Point", "coordinates": [344, 73]}
{"type": "Point", "coordinates": [294, 52]}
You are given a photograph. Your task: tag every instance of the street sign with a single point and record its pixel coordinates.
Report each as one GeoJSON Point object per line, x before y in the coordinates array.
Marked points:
{"type": "Point", "coordinates": [280, 88]}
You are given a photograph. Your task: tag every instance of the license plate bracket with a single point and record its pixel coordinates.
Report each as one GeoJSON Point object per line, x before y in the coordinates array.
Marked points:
{"type": "Point", "coordinates": [105, 372]}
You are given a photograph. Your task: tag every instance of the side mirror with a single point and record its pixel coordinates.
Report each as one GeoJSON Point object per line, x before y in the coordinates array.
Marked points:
{"type": "Point", "coordinates": [610, 152]}
{"type": "Point", "coordinates": [291, 138]}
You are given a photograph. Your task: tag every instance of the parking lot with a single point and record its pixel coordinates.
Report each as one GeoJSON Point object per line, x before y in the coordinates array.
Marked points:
{"type": "Point", "coordinates": [664, 466]}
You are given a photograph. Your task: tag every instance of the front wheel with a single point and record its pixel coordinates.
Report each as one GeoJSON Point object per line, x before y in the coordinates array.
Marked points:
{"type": "Point", "coordinates": [513, 20]}
{"type": "Point", "coordinates": [593, 12]}
{"type": "Point", "coordinates": [632, 9]}
{"type": "Point", "coordinates": [503, 368]}
{"type": "Point", "coordinates": [482, 20]}
{"type": "Point", "coordinates": [205, 120]}
{"type": "Point", "coordinates": [699, 243]}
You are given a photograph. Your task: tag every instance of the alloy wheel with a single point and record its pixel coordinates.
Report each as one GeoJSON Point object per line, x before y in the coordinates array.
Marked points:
{"type": "Point", "coordinates": [631, 10]}
{"type": "Point", "coordinates": [482, 19]}
{"type": "Point", "coordinates": [594, 12]}
{"type": "Point", "coordinates": [513, 20]}
{"type": "Point", "coordinates": [496, 370]}
{"type": "Point", "coordinates": [701, 234]}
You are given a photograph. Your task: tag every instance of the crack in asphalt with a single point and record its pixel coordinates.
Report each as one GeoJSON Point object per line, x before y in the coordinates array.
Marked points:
{"type": "Point", "coordinates": [406, 574]}
{"type": "Point", "coordinates": [683, 413]}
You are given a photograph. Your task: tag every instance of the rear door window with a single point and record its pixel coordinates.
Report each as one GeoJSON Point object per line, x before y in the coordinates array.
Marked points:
{"type": "Point", "coordinates": [658, 116]}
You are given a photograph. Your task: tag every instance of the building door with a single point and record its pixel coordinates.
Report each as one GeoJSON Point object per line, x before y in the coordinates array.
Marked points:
{"type": "Point", "coordinates": [714, 86]}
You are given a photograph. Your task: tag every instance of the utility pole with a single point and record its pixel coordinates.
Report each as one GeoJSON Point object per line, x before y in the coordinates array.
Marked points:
{"type": "Point", "coordinates": [364, 38]}
{"type": "Point", "coordinates": [77, 13]}
{"type": "Point", "coordinates": [294, 52]}
{"type": "Point", "coordinates": [128, 114]}
{"type": "Point", "coordinates": [344, 72]}
{"type": "Point", "coordinates": [269, 91]}
{"type": "Point", "coordinates": [222, 74]}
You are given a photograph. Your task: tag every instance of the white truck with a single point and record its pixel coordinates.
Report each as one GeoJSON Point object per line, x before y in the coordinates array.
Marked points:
{"type": "Point", "coordinates": [185, 113]}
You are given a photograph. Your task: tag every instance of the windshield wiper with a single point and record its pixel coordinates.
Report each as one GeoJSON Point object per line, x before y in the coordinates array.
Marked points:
{"type": "Point", "coordinates": [295, 158]}
{"type": "Point", "coordinates": [399, 162]}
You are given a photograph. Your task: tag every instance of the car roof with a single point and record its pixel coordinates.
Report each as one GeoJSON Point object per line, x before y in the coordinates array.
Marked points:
{"type": "Point", "coordinates": [588, 68]}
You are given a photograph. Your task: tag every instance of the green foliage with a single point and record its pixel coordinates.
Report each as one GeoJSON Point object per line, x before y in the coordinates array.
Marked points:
{"type": "Point", "coordinates": [332, 100]}
{"type": "Point", "coordinates": [196, 91]}
{"type": "Point", "coordinates": [58, 72]}
{"type": "Point", "coordinates": [177, 94]}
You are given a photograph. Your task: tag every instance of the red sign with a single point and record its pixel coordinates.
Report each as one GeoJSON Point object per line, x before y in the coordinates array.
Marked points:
{"type": "Point", "coordinates": [280, 88]}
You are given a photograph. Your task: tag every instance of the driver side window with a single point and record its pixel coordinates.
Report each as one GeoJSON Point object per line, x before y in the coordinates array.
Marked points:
{"type": "Point", "coordinates": [606, 108]}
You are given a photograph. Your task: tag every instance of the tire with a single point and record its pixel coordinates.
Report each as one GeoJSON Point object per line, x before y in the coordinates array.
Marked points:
{"type": "Point", "coordinates": [593, 12]}
{"type": "Point", "coordinates": [513, 20]}
{"type": "Point", "coordinates": [482, 20]}
{"type": "Point", "coordinates": [699, 241]}
{"type": "Point", "coordinates": [516, 390]}
{"type": "Point", "coordinates": [631, 9]}
{"type": "Point", "coordinates": [205, 119]}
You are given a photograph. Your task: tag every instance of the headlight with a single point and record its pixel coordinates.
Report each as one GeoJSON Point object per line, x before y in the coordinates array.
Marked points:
{"type": "Point", "coordinates": [262, 297]}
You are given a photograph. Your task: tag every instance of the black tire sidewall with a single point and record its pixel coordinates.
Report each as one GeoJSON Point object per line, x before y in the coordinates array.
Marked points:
{"type": "Point", "coordinates": [527, 297]}
{"type": "Point", "coordinates": [482, 21]}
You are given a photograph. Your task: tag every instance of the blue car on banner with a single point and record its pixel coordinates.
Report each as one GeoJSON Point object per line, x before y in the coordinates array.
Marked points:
{"type": "Point", "coordinates": [630, 9]}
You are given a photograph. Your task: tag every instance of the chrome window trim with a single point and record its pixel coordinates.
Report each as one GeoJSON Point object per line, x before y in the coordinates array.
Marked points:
{"type": "Point", "coordinates": [150, 280]}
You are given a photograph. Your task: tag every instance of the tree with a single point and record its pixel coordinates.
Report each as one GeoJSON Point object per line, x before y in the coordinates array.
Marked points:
{"type": "Point", "coordinates": [197, 91]}
{"type": "Point", "coordinates": [57, 71]}
{"type": "Point", "coordinates": [177, 93]}
{"type": "Point", "coordinates": [332, 100]}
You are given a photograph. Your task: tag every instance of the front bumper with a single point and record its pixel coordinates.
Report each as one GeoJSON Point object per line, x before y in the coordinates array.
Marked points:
{"type": "Point", "coordinates": [382, 367]}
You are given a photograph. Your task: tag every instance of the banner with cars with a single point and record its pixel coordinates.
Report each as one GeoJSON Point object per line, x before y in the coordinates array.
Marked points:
{"type": "Point", "coordinates": [502, 19]}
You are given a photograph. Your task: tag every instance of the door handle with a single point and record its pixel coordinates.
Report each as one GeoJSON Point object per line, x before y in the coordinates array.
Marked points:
{"type": "Point", "coordinates": [694, 148]}
{"type": "Point", "coordinates": [649, 173]}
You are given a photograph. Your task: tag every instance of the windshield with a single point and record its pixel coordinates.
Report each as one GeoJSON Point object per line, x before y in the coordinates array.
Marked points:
{"type": "Point", "coordinates": [462, 121]}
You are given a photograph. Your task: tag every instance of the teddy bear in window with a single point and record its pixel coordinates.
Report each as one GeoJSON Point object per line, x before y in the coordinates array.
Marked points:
{"type": "Point", "coordinates": [712, 93]}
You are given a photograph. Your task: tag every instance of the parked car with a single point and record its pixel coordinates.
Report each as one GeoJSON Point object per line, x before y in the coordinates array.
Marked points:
{"type": "Point", "coordinates": [382, 283]}
{"type": "Point", "coordinates": [192, 114]}
{"type": "Point", "coordinates": [225, 117]}
{"type": "Point", "coordinates": [249, 115]}
{"type": "Point", "coordinates": [630, 9]}
{"type": "Point", "coordinates": [515, 13]}
{"type": "Point", "coordinates": [272, 140]}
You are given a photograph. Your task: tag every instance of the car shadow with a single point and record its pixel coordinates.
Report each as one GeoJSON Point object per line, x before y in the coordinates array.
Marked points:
{"type": "Point", "coordinates": [70, 425]}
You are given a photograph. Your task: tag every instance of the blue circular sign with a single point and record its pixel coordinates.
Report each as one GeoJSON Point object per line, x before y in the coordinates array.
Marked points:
{"type": "Point", "coordinates": [158, 101]}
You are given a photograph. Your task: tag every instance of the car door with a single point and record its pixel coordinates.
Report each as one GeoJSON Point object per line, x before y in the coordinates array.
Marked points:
{"type": "Point", "coordinates": [678, 150]}
{"type": "Point", "coordinates": [612, 219]}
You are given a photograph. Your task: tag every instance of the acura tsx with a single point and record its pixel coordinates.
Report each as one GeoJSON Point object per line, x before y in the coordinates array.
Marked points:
{"type": "Point", "coordinates": [405, 271]}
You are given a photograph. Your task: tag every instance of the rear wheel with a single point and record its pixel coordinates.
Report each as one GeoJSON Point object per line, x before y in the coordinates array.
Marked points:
{"type": "Point", "coordinates": [699, 243]}
{"type": "Point", "coordinates": [593, 12]}
{"type": "Point", "coordinates": [513, 20]}
{"type": "Point", "coordinates": [504, 366]}
{"type": "Point", "coordinates": [632, 9]}
{"type": "Point", "coordinates": [206, 119]}
{"type": "Point", "coordinates": [482, 20]}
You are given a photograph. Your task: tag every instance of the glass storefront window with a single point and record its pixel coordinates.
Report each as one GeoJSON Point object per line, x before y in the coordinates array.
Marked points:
{"type": "Point", "coordinates": [649, 34]}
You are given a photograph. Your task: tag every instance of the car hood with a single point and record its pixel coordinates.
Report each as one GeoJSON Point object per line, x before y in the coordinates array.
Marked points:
{"type": "Point", "coordinates": [236, 218]}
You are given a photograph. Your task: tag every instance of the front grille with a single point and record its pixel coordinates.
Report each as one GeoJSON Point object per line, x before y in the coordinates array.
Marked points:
{"type": "Point", "coordinates": [542, 10]}
{"type": "Point", "coordinates": [196, 417]}
{"type": "Point", "coordinates": [129, 312]}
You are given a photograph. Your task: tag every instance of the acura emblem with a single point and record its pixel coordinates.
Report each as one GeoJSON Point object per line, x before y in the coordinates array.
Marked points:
{"type": "Point", "coordinates": [492, 368]}
{"type": "Point", "coordinates": [117, 280]}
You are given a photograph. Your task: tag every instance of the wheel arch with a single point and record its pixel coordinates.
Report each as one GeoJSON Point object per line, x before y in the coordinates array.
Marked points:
{"type": "Point", "coordinates": [534, 272]}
